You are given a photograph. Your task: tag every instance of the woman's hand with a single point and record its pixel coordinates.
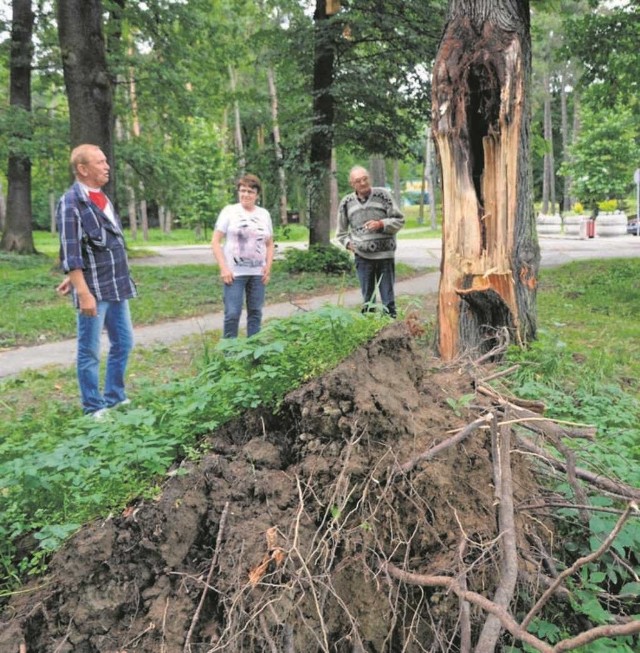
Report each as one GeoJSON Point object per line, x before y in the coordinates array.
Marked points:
{"type": "Point", "coordinates": [227, 276]}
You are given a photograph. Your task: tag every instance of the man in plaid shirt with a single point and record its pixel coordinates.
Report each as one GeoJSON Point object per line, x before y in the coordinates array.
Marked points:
{"type": "Point", "coordinates": [93, 254]}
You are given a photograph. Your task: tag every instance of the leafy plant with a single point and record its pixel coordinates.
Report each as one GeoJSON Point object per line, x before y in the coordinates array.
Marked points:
{"type": "Point", "coordinates": [577, 369]}
{"type": "Point", "coordinates": [318, 258]}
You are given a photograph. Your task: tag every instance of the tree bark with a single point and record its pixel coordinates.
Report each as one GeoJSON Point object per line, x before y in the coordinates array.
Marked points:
{"type": "Point", "coordinates": [377, 170]}
{"type": "Point", "coordinates": [333, 192]}
{"type": "Point", "coordinates": [130, 193]}
{"type": "Point", "coordinates": [87, 78]}
{"type": "Point", "coordinates": [3, 206]}
{"type": "Point", "coordinates": [431, 174]}
{"type": "Point", "coordinates": [237, 127]}
{"type": "Point", "coordinates": [549, 178]}
{"type": "Point", "coordinates": [277, 142]}
{"type": "Point", "coordinates": [18, 234]}
{"type": "Point", "coordinates": [564, 117]}
{"type": "Point", "coordinates": [135, 130]}
{"type": "Point", "coordinates": [481, 127]}
{"type": "Point", "coordinates": [322, 133]}
{"type": "Point", "coordinates": [397, 191]}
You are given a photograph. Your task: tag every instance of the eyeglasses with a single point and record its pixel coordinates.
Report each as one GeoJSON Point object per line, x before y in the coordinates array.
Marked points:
{"type": "Point", "coordinates": [361, 180]}
{"type": "Point", "coordinates": [249, 191]}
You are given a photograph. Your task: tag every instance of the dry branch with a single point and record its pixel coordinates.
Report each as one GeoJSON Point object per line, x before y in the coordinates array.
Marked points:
{"type": "Point", "coordinates": [214, 561]}
{"type": "Point", "coordinates": [465, 611]}
{"type": "Point", "coordinates": [473, 597]}
{"type": "Point", "coordinates": [509, 559]}
{"type": "Point", "coordinates": [580, 562]}
{"type": "Point", "coordinates": [507, 621]}
{"type": "Point", "coordinates": [529, 416]}
{"type": "Point", "coordinates": [445, 444]}
{"type": "Point", "coordinates": [603, 483]}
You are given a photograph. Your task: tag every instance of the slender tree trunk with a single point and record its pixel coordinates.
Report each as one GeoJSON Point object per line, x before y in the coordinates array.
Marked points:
{"type": "Point", "coordinates": [322, 134]}
{"type": "Point", "coordinates": [52, 209]}
{"type": "Point", "coordinates": [18, 234]}
{"type": "Point", "coordinates": [282, 179]}
{"type": "Point", "coordinates": [237, 124]}
{"type": "Point", "coordinates": [549, 178]}
{"type": "Point", "coordinates": [2, 206]}
{"type": "Point", "coordinates": [135, 128]}
{"type": "Point", "coordinates": [566, 189]}
{"type": "Point", "coordinates": [87, 78]}
{"type": "Point", "coordinates": [335, 199]}
{"type": "Point", "coordinates": [431, 173]}
{"type": "Point", "coordinates": [481, 128]}
{"type": "Point", "coordinates": [423, 178]}
{"type": "Point", "coordinates": [567, 201]}
{"type": "Point", "coordinates": [377, 170]}
{"type": "Point", "coordinates": [397, 192]}
{"type": "Point", "coordinates": [121, 135]}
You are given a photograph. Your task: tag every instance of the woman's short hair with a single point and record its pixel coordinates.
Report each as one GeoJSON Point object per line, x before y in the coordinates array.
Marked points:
{"type": "Point", "coordinates": [249, 180]}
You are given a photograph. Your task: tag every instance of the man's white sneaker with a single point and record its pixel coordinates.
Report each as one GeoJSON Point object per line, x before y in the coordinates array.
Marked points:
{"type": "Point", "coordinates": [100, 414]}
{"type": "Point", "coordinates": [120, 404]}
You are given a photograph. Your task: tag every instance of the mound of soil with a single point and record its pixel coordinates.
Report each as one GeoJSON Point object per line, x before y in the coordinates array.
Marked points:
{"type": "Point", "coordinates": [277, 539]}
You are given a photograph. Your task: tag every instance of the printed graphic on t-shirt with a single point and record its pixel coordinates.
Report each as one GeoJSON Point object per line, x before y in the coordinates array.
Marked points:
{"type": "Point", "coordinates": [248, 242]}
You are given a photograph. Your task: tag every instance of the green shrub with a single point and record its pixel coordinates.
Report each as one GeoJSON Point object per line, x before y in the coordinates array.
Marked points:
{"type": "Point", "coordinates": [318, 258]}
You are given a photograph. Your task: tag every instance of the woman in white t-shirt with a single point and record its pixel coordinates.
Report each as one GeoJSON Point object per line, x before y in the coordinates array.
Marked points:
{"type": "Point", "coordinates": [246, 257]}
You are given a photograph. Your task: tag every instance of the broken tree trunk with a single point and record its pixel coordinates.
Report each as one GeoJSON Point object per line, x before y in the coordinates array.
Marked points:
{"type": "Point", "coordinates": [490, 254]}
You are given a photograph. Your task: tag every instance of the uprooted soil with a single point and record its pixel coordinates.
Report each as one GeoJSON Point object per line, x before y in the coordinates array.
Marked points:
{"type": "Point", "coordinates": [276, 540]}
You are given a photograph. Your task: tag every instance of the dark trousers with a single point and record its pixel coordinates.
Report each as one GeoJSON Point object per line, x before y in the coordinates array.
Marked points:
{"type": "Point", "coordinates": [377, 275]}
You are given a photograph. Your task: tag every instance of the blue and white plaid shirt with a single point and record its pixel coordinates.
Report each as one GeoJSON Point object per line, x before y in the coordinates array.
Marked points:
{"type": "Point", "coordinates": [91, 242]}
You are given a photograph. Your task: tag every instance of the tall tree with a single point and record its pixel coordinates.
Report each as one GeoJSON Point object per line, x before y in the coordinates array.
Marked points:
{"type": "Point", "coordinates": [481, 128]}
{"type": "Point", "coordinates": [87, 77]}
{"type": "Point", "coordinates": [17, 235]}
{"type": "Point", "coordinates": [323, 123]}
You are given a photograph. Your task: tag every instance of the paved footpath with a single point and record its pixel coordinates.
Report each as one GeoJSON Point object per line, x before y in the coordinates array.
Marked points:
{"type": "Point", "coordinates": [63, 353]}
{"type": "Point", "coordinates": [424, 253]}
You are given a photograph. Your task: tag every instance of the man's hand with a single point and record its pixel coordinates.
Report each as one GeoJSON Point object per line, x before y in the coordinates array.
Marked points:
{"type": "Point", "coordinates": [88, 304]}
{"type": "Point", "coordinates": [374, 225]}
{"type": "Point", "coordinates": [65, 287]}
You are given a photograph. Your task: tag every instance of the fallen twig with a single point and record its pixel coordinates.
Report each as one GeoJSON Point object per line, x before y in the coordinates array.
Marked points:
{"type": "Point", "coordinates": [509, 559]}
{"type": "Point", "coordinates": [473, 597]}
{"type": "Point", "coordinates": [602, 482]}
{"type": "Point", "coordinates": [214, 561]}
{"type": "Point", "coordinates": [580, 562]}
{"type": "Point", "coordinates": [509, 623]}
{"type": "Point", "coordinates": [465, 611]}
{"type": "Point", "coordinates": [445, 444]}
{"type": "Point", "coordinates": [560, 428]}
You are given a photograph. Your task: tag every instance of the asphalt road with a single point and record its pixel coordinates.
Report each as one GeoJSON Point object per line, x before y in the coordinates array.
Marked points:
{"type": "Point", "coordinates": [427, 252]}
{"type": "Point", "coordinates": [417, 253]}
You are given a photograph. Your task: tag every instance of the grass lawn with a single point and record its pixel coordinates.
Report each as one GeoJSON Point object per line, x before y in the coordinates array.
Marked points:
{"type": "Point", "coordinates": [32, 312]}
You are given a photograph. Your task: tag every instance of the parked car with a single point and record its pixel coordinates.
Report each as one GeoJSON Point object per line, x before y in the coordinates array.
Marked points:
{"type": "Point", "coordinates": [632, 227]}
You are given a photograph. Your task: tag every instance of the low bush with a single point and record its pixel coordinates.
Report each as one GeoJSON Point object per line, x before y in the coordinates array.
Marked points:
{"type": "Point", "coordinates": [318, 258]}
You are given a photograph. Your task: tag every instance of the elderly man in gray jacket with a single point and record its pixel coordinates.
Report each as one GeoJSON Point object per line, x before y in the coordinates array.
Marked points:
{"type": "Point", "coordinates": [368, 221]}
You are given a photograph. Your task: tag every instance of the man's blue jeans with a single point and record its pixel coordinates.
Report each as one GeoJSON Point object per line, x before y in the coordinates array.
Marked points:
{"type": "Point", "coordinates": [380, 275]}
{"type": "Point", "coordinates": [253, 287]}
{"type": "Point", "coordinates": [116, 319]}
